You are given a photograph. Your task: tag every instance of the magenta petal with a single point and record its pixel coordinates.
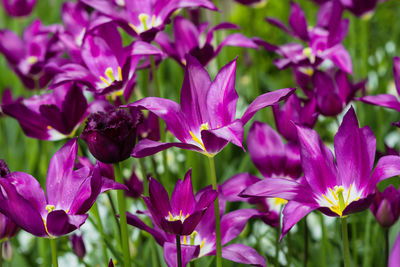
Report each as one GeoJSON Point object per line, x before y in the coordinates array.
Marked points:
{"type": "Point", "coordinates": [383, 100]}
{"type": "Point", "coordinates": [387, 166]}
{"type": "Point", "coordinates": [233, 223]}
{"type": "Point", "coordinates": [206, 199]}
{"type": "Point", "coordinates": [61, 185]}
{"type": "Point", "coordinates": [232, 187]}
{"type": "Point", "coordinates": [266, 100]}
{"type": "Point", "coordinates": [20, 210]}
{"type": "Point", "coordinates": [147, 147]}
{"type": "Point", "coordinates": [317, 161]}
{"type": "Point", "coordinates": [182, 198]}
{"type": "Point", "coordinates": [340, 57]}
{"type": "Point", "coordinates": [292, 213]}
{"type": "Point", "coordinates": [191, 222]}
{"type": "Point", "coordinates": [136, 222]}
{"type": "Point", "coordinates": [243, 254]}
{"type": "Point", "coordinates": [216, 139]}
{"type": "Point", "coordinates": [280, 187]}
{"type": "Point", "coordinates": [159, 197]}
{"type": "Point", "coordinates": [108, 184]}
{"type": "Point", "coordinates": [355, 151]}
{"type": "Point", "coordinates": [238, 40]}
{"type": "Point", "coordinates": [60, 223]}
{"type": "Point", "coordinates": [298, 22]}
{"type": "Point", "coordinates": [222, 97]}
{"type": "Point", "coordinates": [394, 258]}
{"type": "Point", "coordinates": [188, 253]}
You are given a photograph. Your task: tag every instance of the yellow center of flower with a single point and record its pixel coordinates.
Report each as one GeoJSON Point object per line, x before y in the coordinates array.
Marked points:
{"type": "Point", "coordinates": [50, 208]}
{"type": "Point", "coordinates": [204, 126]}
{"type": "Point", "coordinates": [308, 53]}
{"type": "Point", "coordinates": [192, 238]}
{"type": "Point", "coordinates": [109, 73]}
{"type": "Point", "coordinates": [145, 22]}
{"type": "Point", "coordinates": [177, 218]}
{"type": "Point", "coordinates": [280, 201]}
{"type": "Point", "coordinates": [336, 199]}
{"type": "Point", "coordinates": [32, 60]}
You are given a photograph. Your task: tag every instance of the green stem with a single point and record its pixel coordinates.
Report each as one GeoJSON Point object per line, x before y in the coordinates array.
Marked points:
{"type": "Point", "coordinates": [192, 264]}
{"type": "Point", "coordinates": [216, 210]}
{"type": "Point", "coordinates": [114, 210]}
{"type": "Point", "coordinates": [305, 242]}
{"type": "Point", "coordinates": [122, 217]}
{"type": "Point", "coordinates": [345, 239]}
{"type": "Point", "coordinates": [354, 240]}
{"type": "Point", "coordinates": [366, 241]}
{"type": "Point", "coordinates": [386, 246]}
{"type": "Point", "coordinates": [100, 228]}
{"type": "Point", "coordinates": [1, 254]}
{"type": "Point", "coordinates": [278, 233]}
{"type": "Point", "coordinates": [53, 246]}
{"type": "Point", "coordinates": [289, 246]}
{"type": "Point", "coordinates": [153, 72]}
{"type": "Point", "coordinates": [178, 250]}
{"type": "Point", "coordinates": [324, 240]}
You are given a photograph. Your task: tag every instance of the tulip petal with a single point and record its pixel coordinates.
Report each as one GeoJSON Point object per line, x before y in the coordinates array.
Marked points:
{"type": "Point", "coordinates": [383, 100]}
{"type": "Point", "coordinates": [243, 254]}
{"type": "Point", "coordinates": [188, 253]}
{"type": "Point", "coordinates": [236, 40]}
{"type": "Point", "coordinates": [159, 197]}
{"type": "Point", "coordinates": [394, 258]}
{"type": "Point", "coordinates": [298, 22]}
{"type": "Point", "coordinates": [182, 198]}
{"type": "Point", "coordinates": [60, 223]}
{"type": "Point", "coordinates": [387, 166]}
{"type": "Point", "coordinates": [232, 187]}
{"type": "Point", "coordinates": [147, 147]}
{"type": "Point", "coordinates": [265, 100]}
{"type": "Point", "coordinates": [396, 73]}
{"type": "Point", "coordinates": [133, 220]}
{"type": "Point", "coordinates": [292, 213]}
{"type": "Point", "coordinates": [216, 139]}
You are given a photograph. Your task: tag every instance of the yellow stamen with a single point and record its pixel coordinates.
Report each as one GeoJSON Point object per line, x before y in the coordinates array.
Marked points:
{"type": "Point", "coordinates": [197, 140]}
{"type": "Point", "coordinates": [187, 215]}
{"type": "Point", "coordinates": [348, 195]}
{"type": "Point", "coordinates": [104, 80]}
{"type": "Point", "coordinates": [327, 199]}
{"type": "Point", "coordinates": [184, 240]}
{"type": "Point", "coordinates": [134, 28]}
{"type": "Point", "coordinates": [192, 237]}
{"type": "Point", "coordinates": [32, 60]}
{"type": "Point", "coordinates": [333, 193]}
{"type": "Point", "coordinates": [49, 127]}
{"type": "Point", "coordinates": [202, 243]}
{"type": "Point", "coordinates": [180, 214]}
{"type": "Point", "coordinates": [119, 73]}
{"type": "Point", "coordinates": [170, 216]}
{"type": "Point", "coordinates": [50, 208]}
{"type": "Point", "coordinates": [153, 20]}
{"type": "Point", "coordinates": [110, 74]}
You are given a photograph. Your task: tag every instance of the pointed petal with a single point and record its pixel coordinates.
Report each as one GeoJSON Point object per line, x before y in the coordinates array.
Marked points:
{"type": "Point", "coordinates": [279, 24]}
{"type": "Point", "coordinates": [355, 151]}
{"type": "Point", "coordinates": [61, 184]}
{"type": "Point", "coordinates": [266, 100]}
{"type": "Point", "coordinates": [182, 198]}
{"type": "Point", "coordinates": [340, 57]}
{"type": "Point", "coordinates": [74, 107]}
{"type": "Point", "coordinates": [165, 8]}
{"type": "Point", "coordinates": [280, 187]}
{"type": "Point", "coordinates": [108, 184]}
{"type": "Point", "coordinates": [396, 73]}
{"type": "Point", "coordinates": [243, 254]}
{"type": "Point", "coordinates": [147, 147]}
{"type": "Point", "coordinates": [222, 97]}
{"type": "Point", "coordinates": [236, 40]}
{"type": "Point", "coordinates": [298, 22]}
{"type": "Point", "coordinates": [317, 161]}
{"type": "Point", "coordinates": [140, 48]}
{"type": "Point", "coordinates": [136, 222]}
{"type": "Point", "coordinates": [233, 223]}
{"type": "Point", "coordinates": [206, 199]}
{"type": "Point", "coordinates": [394, 258]}
{"type": "Point", "coordinates": [387, 166]}
{"type": "Point", "coordinates": [159, 197]}
{"type": "Point", "coordinates": [292, 213]}
{"type": "Point", "coordinates": [196, 84]}
{"type": "Point", "coordinates": [169, 111]}
{"type": "Point", "coordinates": [186, 36]}
{"type": "Point", "coordinates": [232, 187]}
{"type": "Point", "coordinates": [383, 100]}
{"type": "Point", "coordinates": [188, 253]}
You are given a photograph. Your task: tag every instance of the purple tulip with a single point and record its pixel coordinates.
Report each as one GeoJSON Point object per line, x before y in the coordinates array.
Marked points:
{"type": "Point", "coordinates": [108, 67]}
{"type": "Point", "coordinates": [111, 135]}
{"type": "Point", "coordinates": [19, 8]}
{"type": "Point", "coordinates": [149, 128]}
{"type": "Point", "coordinates": [205, 119]}
{"type": "Point", "coordinates": [142, 18]}
{"type": "Point", "coordinates": [270, 155]}
{"type": "Point", "coordinates": [50, 116]}
{"type": "Point", "coordinates": [188, 41]}
{"type": "Point", "coordinates": [359, 8]}
{"type": "Point", "coordinates": [78, 246]}
{"type": "Point", "coordinates": [335, 188]}
{"type": "Point", "coordinates": [202, 241]}
{"type": "Point", "coordinates": [70, 194]}
{"type": "Point", "coordinates": [134, 185]}
{"type": "Point", "coordinates": [250, 2]}
{"type": "Point", "coordinates": [28, 57]}
{"type": "Point", "coordinates": [184, 212]}
{"type": "Point", "coordinates": [386, 206]}
{"type": "Point", "coordinates": [294, 110]}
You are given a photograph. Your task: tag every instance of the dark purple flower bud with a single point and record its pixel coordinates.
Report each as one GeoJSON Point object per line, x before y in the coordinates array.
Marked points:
{"type": "Point", "coordinates": [18, 8]}
{"type": "Point", "coordinates": [386, 206]}
{"type": "Point", "coordinates": [78, 245]}
{"type": "Point", "coordinates": [4, 170]}
{"type": "Point", "coordinates": [111, 135]}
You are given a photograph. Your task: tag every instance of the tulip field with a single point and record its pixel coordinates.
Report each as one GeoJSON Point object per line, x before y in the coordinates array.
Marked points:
{"type": "Point", "coordinates": [200, 133]}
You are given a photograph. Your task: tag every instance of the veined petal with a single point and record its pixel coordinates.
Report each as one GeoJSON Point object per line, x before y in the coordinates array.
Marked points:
{"type": "Point", "coordinates": [387, 166]}
{"type": "Point", "coordinates": [292, 213]}
{"type": "Point", "coordinates": [317, 161]}
{"type": "Point", "coordinates": [147, 147]}
{"type": "Point", "coordinates": [340, 57]}
{"type": "Point", "coordinates": [355, 151]}
{"type": "Point", "coordinates": [243, 254]}
{"type": "Point", "coordinates": [182, 198]}
{"type": "Point", "coordinates": [394, 258]}
{"type": "Point", "coordinates": [61, 185]}
{"type": "Point", "coordinates": [170, 112]}
{"type": "Point", "coordinates": [159, 197]}
{"type": "Point", "coordinates": [383, 100]}
{"type": "Point", "coordinates": [186, 36]}
{"type": "Point", "coordinates": [166, 8]}
{"type": "Point", "coordinates": [222, 97]}
{"type": "Point", "coordinates": [265, 100]}
{"type": "Point", "coordinates": [188, 253]}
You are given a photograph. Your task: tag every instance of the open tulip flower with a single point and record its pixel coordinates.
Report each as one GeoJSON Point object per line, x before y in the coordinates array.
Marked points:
{"type": "Point", "coordinates": [143, 19]}
{"type": "Point", "coordinates": [335, 188]}
{"type": "Point", "coordinates": [70, 194]}
{"type": "Point", "coordinates": [205, 119]}
{"type": "Point", "coordinates": [183, 213]}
